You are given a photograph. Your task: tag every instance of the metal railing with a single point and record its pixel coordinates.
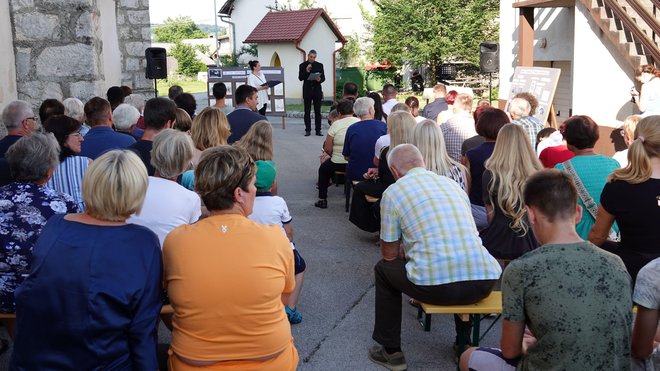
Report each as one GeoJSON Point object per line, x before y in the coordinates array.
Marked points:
{"type": "Point", "coordinates": [650, 48]}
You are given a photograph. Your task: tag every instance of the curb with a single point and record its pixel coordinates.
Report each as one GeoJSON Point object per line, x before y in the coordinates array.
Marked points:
{"type": "Point", "coordinates": [300, 115]}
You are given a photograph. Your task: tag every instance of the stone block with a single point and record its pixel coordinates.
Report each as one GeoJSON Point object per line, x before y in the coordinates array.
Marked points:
{"type": "Point", "coordinates": [132, 64]}
{"type": "Point", "coordinates": [132, 4]}
{"type": "Point", "coordinates": [36, 92]}
{"type": "Point", "coordinates": [84, 90]}
{"type": "Point", "coordinates": [36, 26]}
{"type": "Point", "coordinates": [138, 17]}
{"type": "Point", "coordinates": [146, 33]}
{"type": "Point", "coordinates": [84, 26]}
{"type": "Point", "coordinates": [67, 61]}
{"type": "Point", "coordinates": [20, 4]}
{"type": "Point", "coordinates": [79, 3]}
{"type": "Point", "coordinates": [23, 58]}
{"type": "Point", "coordinates": [136, 49]}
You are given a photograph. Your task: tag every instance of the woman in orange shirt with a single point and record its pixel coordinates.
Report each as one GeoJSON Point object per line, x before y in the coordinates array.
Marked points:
{"type": "Point", "coordinates": [227, 277]}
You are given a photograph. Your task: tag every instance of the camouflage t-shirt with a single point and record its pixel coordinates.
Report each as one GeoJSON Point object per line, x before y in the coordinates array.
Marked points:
{"type": "Point", "coordinates": [576, 300]}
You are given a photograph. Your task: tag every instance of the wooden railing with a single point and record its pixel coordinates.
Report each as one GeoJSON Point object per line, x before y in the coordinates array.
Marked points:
{"type": "Point", "coordinates": [648, 44]}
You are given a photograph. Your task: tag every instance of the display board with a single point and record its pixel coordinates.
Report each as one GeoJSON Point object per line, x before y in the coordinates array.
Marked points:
{"type": "Point", "coordinates": [542, 83]}
{"type": "Point", "coordinates": [233, 77]}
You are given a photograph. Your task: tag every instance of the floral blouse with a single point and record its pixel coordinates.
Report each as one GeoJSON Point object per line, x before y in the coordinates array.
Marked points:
{"type": "Point", "coordinates": [24, 210]}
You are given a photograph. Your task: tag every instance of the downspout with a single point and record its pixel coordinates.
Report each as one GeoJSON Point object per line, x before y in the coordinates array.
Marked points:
{"type": "Point", "coordinates": [225, 18]}
{"type": "Point", "coordinates": [304, 53]}
{"type": "Point", "coordinates": [334, 71]}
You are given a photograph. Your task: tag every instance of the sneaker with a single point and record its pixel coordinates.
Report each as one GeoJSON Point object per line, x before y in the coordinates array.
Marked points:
{"type": "Point", "coordinates": [318, 133]}
{"type": "Point", "coordinates": [293, 315]}
{"type": "Point", "coordinates": [395, 361]}
{"type": "Point", "coordinates": [308, 133]}
{"type": "Point", "coordinates": [321, 204]}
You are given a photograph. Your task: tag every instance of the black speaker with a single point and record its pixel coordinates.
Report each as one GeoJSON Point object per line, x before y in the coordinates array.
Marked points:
{"type": "Point", "coordinates": [156, 63]}
{"type": "Point", "coordinates": [489, 57]}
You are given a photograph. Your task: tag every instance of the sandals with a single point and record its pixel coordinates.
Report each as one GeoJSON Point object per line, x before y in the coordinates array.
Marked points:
{"type": "Point", "coordinates": [321, 204]}
{"type": "Point", "coordinates": [293, 315]}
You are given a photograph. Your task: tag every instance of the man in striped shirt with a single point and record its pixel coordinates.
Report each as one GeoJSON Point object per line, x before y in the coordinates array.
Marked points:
{"type": "Point", "coordinates": [431, 250]}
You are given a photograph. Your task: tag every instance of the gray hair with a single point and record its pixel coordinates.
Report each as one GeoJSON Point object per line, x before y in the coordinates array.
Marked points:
{"type": "Point", "coordinates": [32, 156]}
{"type": "Point", "coordinates": [519, 107]}
{"type": "Point", "coordinates": [124, 116]}
{"type": "Point", "coordinates": [135, 100]}
{"type": "Point", "coordinates": [400, 107]}
{"type": "Point", "coordinates": [171, 153]}
{"type": "Point", "coordinates": [74, 108]}
{"type": "Point", "coordinates": [362, 105]}
{"type": "Point", "coordinates": [15, 112]}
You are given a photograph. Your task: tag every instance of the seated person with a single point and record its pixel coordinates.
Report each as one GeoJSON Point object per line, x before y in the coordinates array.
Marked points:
{"type": "Point", "coordinates": [361, 138]}
{"type": "Point", "coordinates": [271, 209]}
{"type": "Point", "coordinates": [645, 335]}
{"type": "Point", "coordinates": [93, 295]}
{"type": "Point", "coordinates": [628, 132]}
{"type": "Point", "coordinates": [431, 250]}
{"type": "Point", "coordinates": [556, 291]}
{"type": "Point", "coordinates": [227, 277]}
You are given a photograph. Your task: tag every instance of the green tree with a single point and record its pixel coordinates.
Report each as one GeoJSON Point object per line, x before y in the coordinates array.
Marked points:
{"type": "Point", "coordinates": [178, 29]}
{"type": "Point", "coordinates": [350, 55]}
{"type": "Point", "coordinates": [186, 59]}
{"type": "Point", "coordinates": [428, 32]}
{"type": "Point", "coordinates": [307, 4]}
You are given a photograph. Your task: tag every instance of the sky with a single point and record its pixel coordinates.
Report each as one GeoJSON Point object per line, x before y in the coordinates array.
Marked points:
{"type": "Point", "coordinates": [201, 11]}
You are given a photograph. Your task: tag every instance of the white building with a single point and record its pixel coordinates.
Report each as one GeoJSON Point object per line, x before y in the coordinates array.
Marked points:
{"type": "Point", "coordinates": [581, 38]}
{"type": "Point", "coordinates": [284, 38]}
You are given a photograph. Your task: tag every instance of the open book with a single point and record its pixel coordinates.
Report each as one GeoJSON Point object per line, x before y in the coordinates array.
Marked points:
{"type": "Point", "coordinates": [271, 83]}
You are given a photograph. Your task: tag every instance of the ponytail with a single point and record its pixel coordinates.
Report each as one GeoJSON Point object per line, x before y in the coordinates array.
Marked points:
{"type": "Point", "coordinates": [645, 146]}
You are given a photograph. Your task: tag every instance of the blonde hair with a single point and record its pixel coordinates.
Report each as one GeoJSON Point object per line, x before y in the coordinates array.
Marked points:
{"type": "Point", "coordinates": [427, 137]}
{"type": "Point", "coordinates": [171, 153]}
{"type": "Point", "coordinates": [512, 162]}
{"type": "Point", "coordinates": [258, 141]}
{"type": "Point", "coordinates": [629, 125]}
{"type": "Point", "coordinates": [183, 121]}
{"type": "Point", "coordinates": [400, 125]}
{"type": "Point", "coordinates": [114, 186]}
{"type": "Point", "coordinates": [645, 146]}
{"type": "Point", "coordinates": [209, 129]}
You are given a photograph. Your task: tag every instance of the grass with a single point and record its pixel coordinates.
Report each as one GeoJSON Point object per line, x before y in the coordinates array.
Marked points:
{"type": "Point", "coordinates": [189, 85]}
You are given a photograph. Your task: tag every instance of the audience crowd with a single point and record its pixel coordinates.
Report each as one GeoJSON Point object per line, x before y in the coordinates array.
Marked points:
{"type": "Point", "coordinates": [113, 209]}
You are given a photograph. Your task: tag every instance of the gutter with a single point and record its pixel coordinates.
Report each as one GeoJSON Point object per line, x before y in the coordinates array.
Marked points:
{"type": "Point", "coordinates": [226, 19]}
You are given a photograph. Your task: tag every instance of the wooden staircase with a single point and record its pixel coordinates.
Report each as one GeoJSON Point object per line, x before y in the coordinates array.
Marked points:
{"type": "Point", "coordinates": [633, 26]}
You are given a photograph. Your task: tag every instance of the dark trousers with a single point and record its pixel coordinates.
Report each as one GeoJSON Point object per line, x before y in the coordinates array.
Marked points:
{"type": "Point", "coordinates": [308, 98]}
{"type": "Point", "coordinates": [326, 171]}
{"type": "Point", "coordinates": [391, 281]}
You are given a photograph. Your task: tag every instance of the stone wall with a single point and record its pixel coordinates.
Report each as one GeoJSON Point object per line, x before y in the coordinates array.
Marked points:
{"type": "Point", "coordinates": [60, 50]}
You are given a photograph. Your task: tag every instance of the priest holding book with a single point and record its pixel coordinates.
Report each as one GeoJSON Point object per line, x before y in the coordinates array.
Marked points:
{"type": "Point", "coordinates": [311, 74]}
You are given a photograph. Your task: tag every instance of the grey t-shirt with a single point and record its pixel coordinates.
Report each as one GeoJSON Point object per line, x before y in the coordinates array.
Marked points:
{"type": "Point", "coordinates": [576, 300]}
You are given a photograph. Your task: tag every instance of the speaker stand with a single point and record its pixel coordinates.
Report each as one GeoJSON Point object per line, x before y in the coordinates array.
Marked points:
{"type": "Point", "coordinates": [490, 87]}
{"type": "Point", "coordinates": [156, 88]}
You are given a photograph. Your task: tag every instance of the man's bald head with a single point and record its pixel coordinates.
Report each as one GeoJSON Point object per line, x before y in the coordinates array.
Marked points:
{"type": "Point", "coordinates": [403, 158]}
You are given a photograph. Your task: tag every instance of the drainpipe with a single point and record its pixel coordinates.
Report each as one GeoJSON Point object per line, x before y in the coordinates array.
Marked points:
{"type": "Point", "coordinates": [334, 71]}
{"type": "Point", "coordinates": [226, 18]}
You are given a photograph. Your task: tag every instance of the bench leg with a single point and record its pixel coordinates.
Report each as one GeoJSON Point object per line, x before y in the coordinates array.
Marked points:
{"type": "Point", "coordinates": [476, 321]}
{"type": "Point", "coordinates": [347, 191]}
{"type": "Point", "coordinates": [463, 328]}
{"type": "Point", "coordinates": [424, 319]}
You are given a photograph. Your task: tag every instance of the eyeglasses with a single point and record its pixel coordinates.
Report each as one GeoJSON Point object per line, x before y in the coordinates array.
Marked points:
{"type": "Point", "coordinates": [33, 118]}
{"type": "Point", "coordinates": [76, 134]}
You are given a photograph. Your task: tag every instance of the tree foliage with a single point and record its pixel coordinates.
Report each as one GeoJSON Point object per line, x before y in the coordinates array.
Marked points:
{"type": "Point", "coordinates": [428, 32]}
{"type": "Point", "coordinates": [186, 59]}
{"type": "Point", "coordinates": [350, 55]}
{"type": "Point", "coordinates": [178, 29]}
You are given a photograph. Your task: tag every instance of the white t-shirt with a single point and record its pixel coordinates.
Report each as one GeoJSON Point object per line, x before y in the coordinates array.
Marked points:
{"type": "Point", "coordinates": [257, 81]}
{"type": "Point", "coordinates": [271, 210]}
{"type": "Point", "coordinates": [387, 106]}
{"type": "Point", "coordinates": [622, 157]}
{"type": "Point", "coordinates": [647, 294]}
{"type": "Point", "coordinates": [381, 143]}
{"type": "Point", "coordinates": [338, 133]}
{"type": "Point", "coordinates": [167, 206]}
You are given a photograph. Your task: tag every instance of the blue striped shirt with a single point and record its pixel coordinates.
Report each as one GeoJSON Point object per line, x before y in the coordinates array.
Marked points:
{"type": "Point", "coordinates": [431, 215]}
{"type": "Point", "coordinates": [68, 178]}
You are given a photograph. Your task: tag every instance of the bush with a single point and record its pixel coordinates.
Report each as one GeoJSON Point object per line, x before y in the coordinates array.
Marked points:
{"type": "Point", "coordinates": [185, 57]}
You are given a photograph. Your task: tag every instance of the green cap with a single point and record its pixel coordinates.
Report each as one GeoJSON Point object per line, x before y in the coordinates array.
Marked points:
{"type": "Point", "coordinates": [266, 172]}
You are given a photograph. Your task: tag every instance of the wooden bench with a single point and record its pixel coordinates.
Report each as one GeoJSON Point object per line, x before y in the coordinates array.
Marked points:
{"type": "Point", "coordinates": [165, 310]}
{"type": "Point", "coordinates": [470, 314]}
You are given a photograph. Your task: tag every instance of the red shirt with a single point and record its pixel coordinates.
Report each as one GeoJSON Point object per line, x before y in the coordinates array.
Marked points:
{"type": "Point", "coordinates": [552, 156]}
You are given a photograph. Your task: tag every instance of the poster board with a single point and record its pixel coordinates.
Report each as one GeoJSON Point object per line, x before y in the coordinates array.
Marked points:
{"type": "Point", "coordinates": [542, 83]}
{"type": "Point", "coordinates": [233, 77]}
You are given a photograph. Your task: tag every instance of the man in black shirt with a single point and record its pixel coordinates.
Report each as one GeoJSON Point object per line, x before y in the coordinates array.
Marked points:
{"type": "Point", "coordinates": [159, 114]}
{"type": "Point", "coordinates": [312, 91]}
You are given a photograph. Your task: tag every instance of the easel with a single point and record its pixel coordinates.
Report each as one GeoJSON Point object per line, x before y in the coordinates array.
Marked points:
{"type": "Point", "coordinates": [552, 118]}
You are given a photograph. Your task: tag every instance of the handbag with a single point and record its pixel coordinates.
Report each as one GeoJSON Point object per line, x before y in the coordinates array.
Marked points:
{"type": "Point", "coordinates": [586, 198]}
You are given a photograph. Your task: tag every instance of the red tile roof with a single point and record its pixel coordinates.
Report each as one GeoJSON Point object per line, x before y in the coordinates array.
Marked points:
{"type": "Point", "coordinates": [289, 26]}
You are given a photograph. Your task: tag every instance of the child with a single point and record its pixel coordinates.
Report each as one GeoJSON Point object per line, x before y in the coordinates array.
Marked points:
{"type": "Point", "coordinates": [269, 209]}
{"type": "Point", "coordinates": [573, 296]}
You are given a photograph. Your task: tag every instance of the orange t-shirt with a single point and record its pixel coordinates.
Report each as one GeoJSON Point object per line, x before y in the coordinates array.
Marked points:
{"type": "Point", "coordinates": [225, 276]}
